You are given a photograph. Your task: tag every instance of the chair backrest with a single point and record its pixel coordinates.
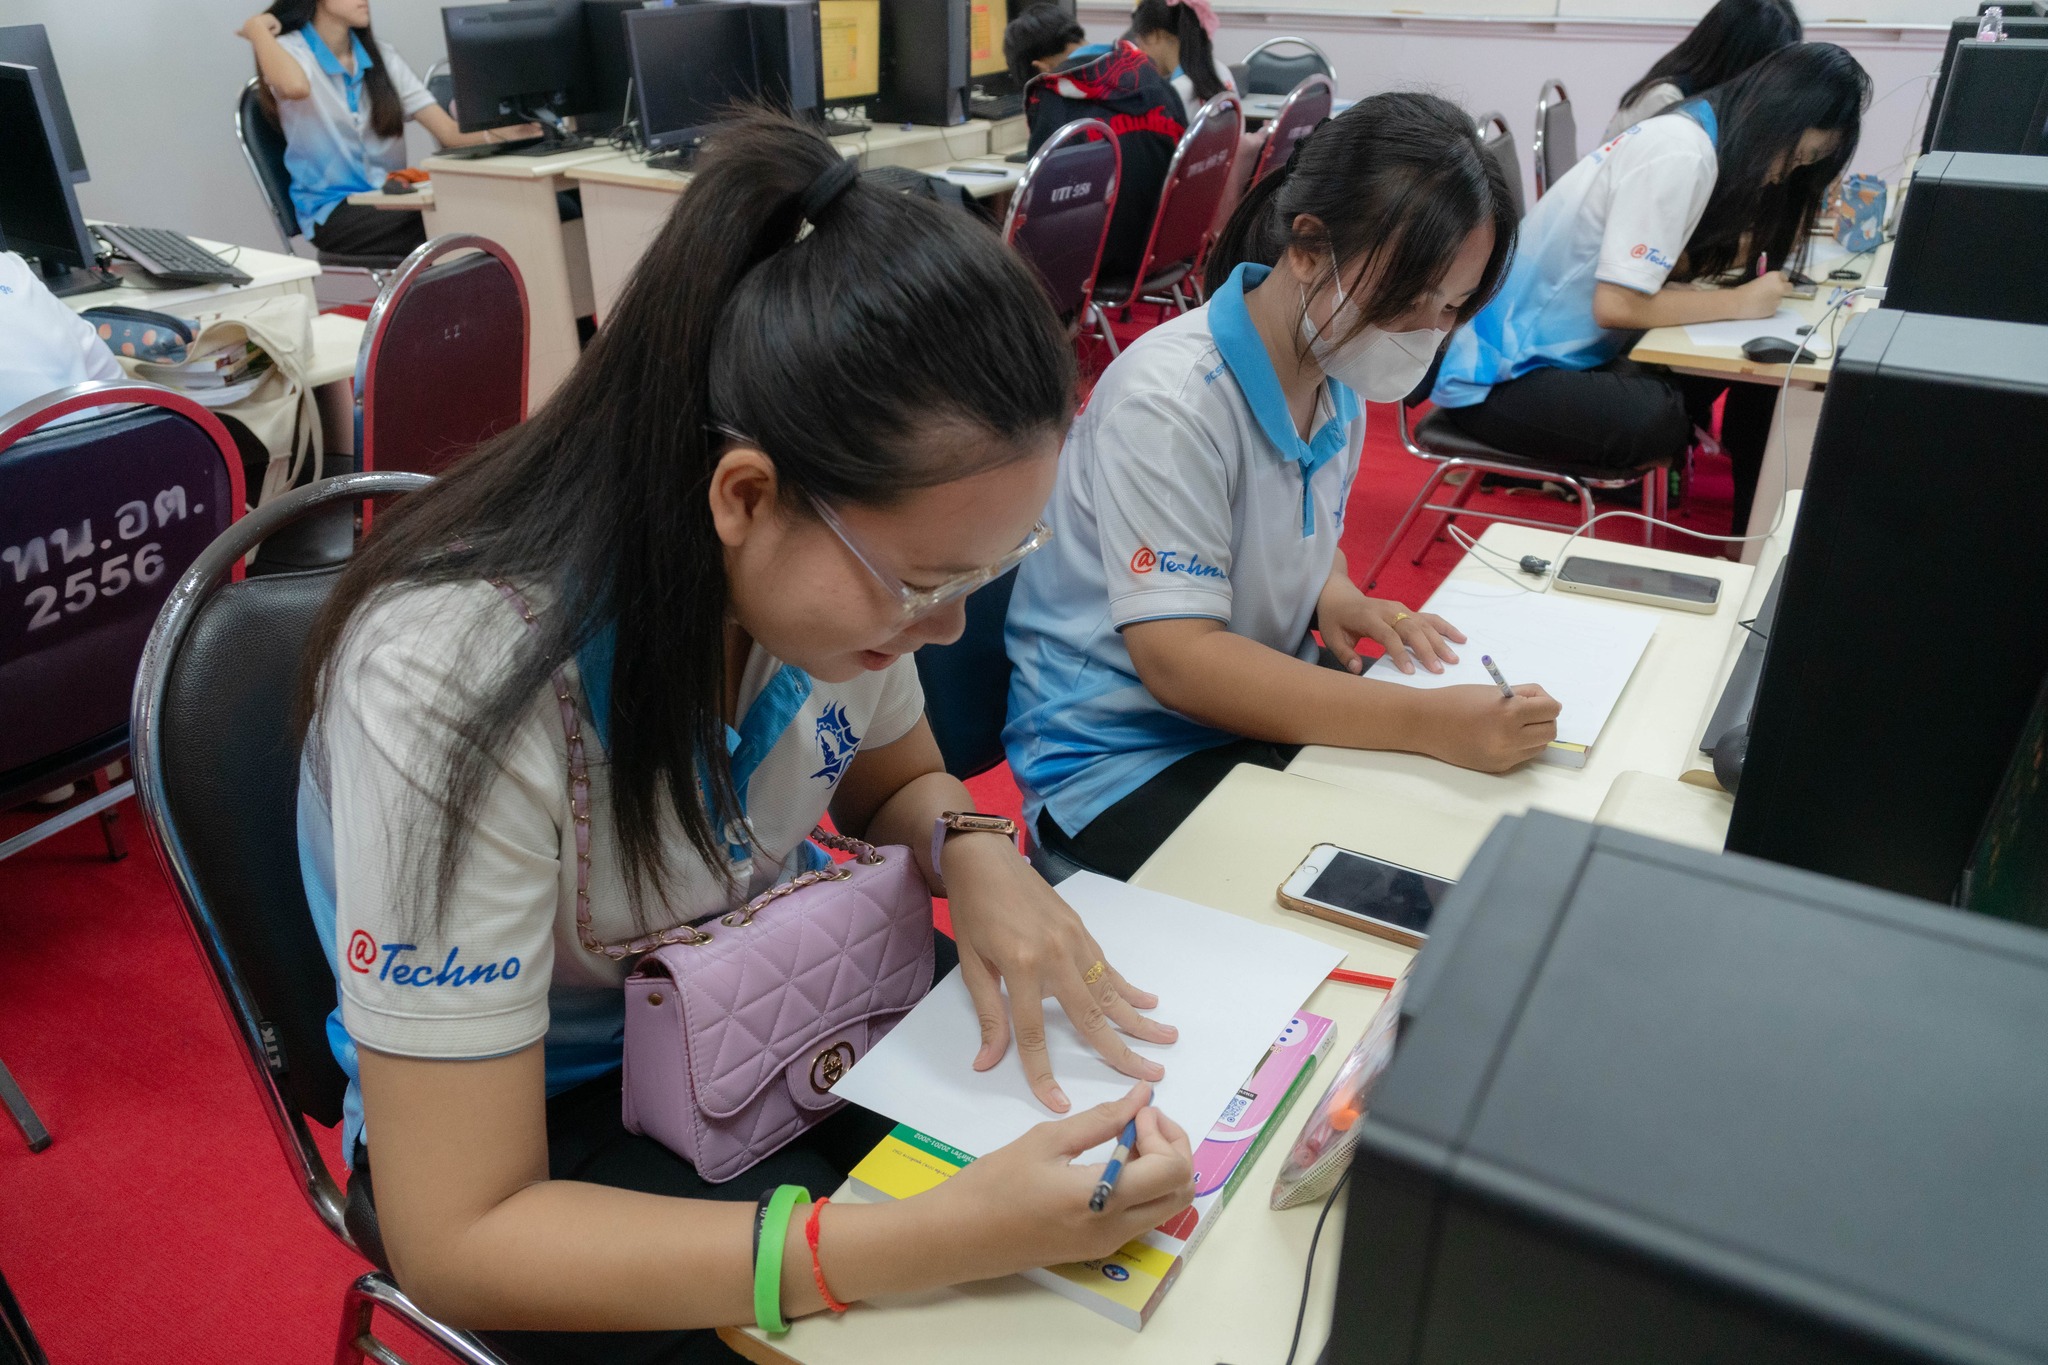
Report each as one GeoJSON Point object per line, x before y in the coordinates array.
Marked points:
{"type": "Point", "coordinates": [967, 684]}
{"type": "Point", "coordinates": [217, 773]}
{"type": "Point", "coordinates": [1557, 136]}
{"type": "Point", "coordinates": [1308, 104]}
{"type": "Point", "coordinates": [98, 517]}
{"type": "Point", "coordinates": [442, 367]}
{"type": "Point", "coordinates": [1271, 72]}
{"type": "Point", "coordinates": [1196, 180]}
{"type": "Point", "coordinates": [1498, 142]}
{"type": "Point", "coordinates": [440, 83]}
{"type": "Point", "coordinates": [1059, 215]}
{"type": "Point", "coordinates": [262, 145]}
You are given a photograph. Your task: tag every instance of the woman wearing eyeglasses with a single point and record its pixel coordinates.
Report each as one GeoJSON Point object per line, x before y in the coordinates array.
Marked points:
{"type": "Point", "coordinates": [732, 529]}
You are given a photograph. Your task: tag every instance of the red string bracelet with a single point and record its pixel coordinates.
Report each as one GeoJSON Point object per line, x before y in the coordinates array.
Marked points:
{"type": "Point", "coordinates": [817, 1267]}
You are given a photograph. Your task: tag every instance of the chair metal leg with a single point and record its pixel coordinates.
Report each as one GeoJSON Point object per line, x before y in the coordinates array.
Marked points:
{"type": "Point", "coordinates": [1473, 478]}
{"type": "Point", "coordinates": [110, 819]}
{"type": "Point", "coordinates": [1651, 479]}
{"type": "Point", "coordinates": [1102, 329]}
{"type": "Point", "coordinates": [359, 1341]}
{"type": "Point", "coordinates": [24, 1117]}
{"type": "Point", "coordinates": [1180, 299]}
{"type": "Point", "coordinates": [1429, 486]}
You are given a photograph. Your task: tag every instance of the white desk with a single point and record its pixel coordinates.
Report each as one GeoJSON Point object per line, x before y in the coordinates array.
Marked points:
{"type": "Point", "coordinates": [1236, 1299]}
{"type": "Point", "coordinates": [1654, 728]}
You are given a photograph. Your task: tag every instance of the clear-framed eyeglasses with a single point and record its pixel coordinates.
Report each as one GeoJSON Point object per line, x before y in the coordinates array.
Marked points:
{"type": "Point", "coordinates": [917, 602]}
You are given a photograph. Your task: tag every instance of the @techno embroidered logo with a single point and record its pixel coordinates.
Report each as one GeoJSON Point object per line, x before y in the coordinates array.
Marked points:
{"type": "Point", "coordinates": [452, 971]}
{"type": "Point", "coordinates": [1643, 251]}
{"type": "Point", "coordinates": [362, 952]}
{"type": "Point", "coordinates": [837, 742]}
{"type": "Point", "coordinates": [1144, 560]}
{"type": "Point", "coordinates": [1148, 560]}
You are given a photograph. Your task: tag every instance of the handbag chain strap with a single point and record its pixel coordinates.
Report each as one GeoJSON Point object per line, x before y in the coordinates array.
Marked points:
{"type": "Point", "coordinates": [579, 810]}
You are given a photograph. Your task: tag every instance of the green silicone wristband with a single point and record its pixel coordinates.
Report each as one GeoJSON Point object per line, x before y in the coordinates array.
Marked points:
{"type": "Point", "coordinates": [768, 1260]}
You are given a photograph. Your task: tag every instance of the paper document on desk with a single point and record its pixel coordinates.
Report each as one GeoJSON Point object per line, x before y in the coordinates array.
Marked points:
{"type": "Point", "coordinates": [1227, 983]}
{"type": "Point", "coordinates": [1783, 324]}
{"type": "Point", "coordinates": [1581, 653]}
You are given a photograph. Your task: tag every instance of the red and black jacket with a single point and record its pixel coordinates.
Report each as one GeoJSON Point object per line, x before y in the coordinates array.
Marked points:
{"type": "Point", "coordinates": [1121, 88]}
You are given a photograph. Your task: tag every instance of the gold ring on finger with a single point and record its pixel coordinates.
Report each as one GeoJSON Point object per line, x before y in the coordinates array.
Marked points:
{"type": "Point", "coordinates": [1401, 616]}
{"type": "Point", "coordinates": [1095, 973]}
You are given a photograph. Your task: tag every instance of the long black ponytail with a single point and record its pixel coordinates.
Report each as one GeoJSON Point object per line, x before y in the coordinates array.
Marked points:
{"type": "Point", "coordinates": [1197, 54]}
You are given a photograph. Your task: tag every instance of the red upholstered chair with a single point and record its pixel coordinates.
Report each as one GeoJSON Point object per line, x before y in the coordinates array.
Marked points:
{"type": "Point", "coordinates": [1196, 180]}
{"type": "Point", "coordinates": [1059, 217]}
{"type": "Point", "coordinates": [1307, 106]}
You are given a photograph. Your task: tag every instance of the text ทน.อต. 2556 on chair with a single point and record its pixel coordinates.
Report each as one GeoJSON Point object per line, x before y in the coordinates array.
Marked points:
{"type": "Point", "coordinates": [107, 492]}
{"type": "Point", "coordinates": [262, 143]}
{"type": "Point", "coordinates": [217, 772]}
{"type": "Point", "coordinates": [1059, 218]}
{"type": "Point", "coordinates": [1266, 70]}
{"type": "Point", "coordinates": [1196, 180]}
{"type": "Point", "coordinates": [1556, 149]}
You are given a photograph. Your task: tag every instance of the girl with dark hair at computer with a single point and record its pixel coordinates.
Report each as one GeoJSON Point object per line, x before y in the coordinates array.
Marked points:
{"type": "Point", "coordinates": [1720, 189]}
{"type": "Point", "coordinates": [1179, 37]}
{"type": "Point", "coordinates": [342, 99]}
{"type": "Point", "coordinates": [1120, 87]}
{"type": "Point", "coordinates": [1729, 39]}
{"type": "Point", "coordinates": [819, 416]}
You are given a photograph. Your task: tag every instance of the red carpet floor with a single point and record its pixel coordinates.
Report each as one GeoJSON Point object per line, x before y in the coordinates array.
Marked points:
{"type": "Point", "coordinates": [161, 1224]}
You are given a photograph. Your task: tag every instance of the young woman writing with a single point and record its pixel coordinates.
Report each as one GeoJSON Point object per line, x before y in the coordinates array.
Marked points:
{"type": "Point", "coordinates": [1165, 635]}
{"type": "Point", "coordinates": [1729, 39]}
{"type": "Point", "coordinates": [820, 415]}
{"type": "Point", "coordinates": [342, 99]}
{"type": "Point", "coordinates": [1178, 35]}
{"type": "Point", "coordinates": [1723, 185]}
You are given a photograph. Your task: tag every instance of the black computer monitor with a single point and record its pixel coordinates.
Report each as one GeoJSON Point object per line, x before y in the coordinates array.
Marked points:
{"type": "Point", "coordinates": [29, 45]}
{"type": "Point", "coordinates": [520, 61]}
{"type": "Point", "coordinates": [691, 64]}
{"type": "Point", "coordinates": [850, 52]}
{"type": "Point", "coordinates": [39, 215]}
{"type": "Point", "coordinates": [1973, 238]}
{"type": "Point", "coordinates": [2016, 26]}
{"type": "Point", "coordinates": [1997, 99]}
{"type": "Point", "coordinates": [925, 58]}
{"type": "Point", "coordinates": [788, 54]}
{"type": "Point", "coordinates": [2008, 874]}
{"type": "Point", "coordinates": [1908, 645]}
{"type": "Point", "coordinates": [611, 70]}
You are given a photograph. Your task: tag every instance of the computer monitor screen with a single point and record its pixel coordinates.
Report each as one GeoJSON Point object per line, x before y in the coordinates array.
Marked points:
{"type": "Point", "coordinates": [38, 213]}
{"type": "Point", "coordinates": [515, 61]}
{"type": "Point", "coordinates": [2008, 875]}
{"type": "Point", "coordinates": [691, 64]}
{"type": "Point", "coordinates": [1997, 99]}
{"type": "Point", "coordinates": [29, 45]}
{"type": "Point", "coordinates": [2016, 26]}
{"type": "Point", "coordinates": [985, 22]}
{"type": "Point", "coordinates": [604, 37]}
{"type": "Point", "coordinates": [850, 42]}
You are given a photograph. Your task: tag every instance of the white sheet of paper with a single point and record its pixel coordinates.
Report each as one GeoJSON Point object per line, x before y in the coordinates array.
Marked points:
{"type": "Point", "coordinates": [1783, 324]}
{"type": "Point", "coordinates": [1580, 652]}
{"type": "Point", "coordinates": [1227, 983]}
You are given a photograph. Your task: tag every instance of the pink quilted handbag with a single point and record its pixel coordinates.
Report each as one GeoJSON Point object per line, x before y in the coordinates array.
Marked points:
{"type": "Point", "coordinates": [738, 1027]}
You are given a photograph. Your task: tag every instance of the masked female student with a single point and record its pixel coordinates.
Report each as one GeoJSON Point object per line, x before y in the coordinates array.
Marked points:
{"type": "Point", "coordinates": [342, 99]}
{"type": "Point", "coordinates": [1164, 636]}
{"type": "Point", "coordinates": [1729, 39]}
{"type": "Point", "coordinates": [732, 528]}
{"type": "Point", "coordinates": [1721, 188]}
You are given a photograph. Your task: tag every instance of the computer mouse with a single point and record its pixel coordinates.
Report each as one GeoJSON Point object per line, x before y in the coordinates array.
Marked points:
{"type": "Point", "coordinates": [394, 185]}
{"type": "Point", "coordinates": [1775, 351]}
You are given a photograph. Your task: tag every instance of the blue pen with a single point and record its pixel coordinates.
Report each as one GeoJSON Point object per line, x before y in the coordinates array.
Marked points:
{"type": "Point", "coordinates": [1125, 1145]}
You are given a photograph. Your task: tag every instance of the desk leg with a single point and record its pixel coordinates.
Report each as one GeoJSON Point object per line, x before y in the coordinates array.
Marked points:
{"type": "Point", "coordinates": [619, 222]}
{"type": "Point", "coordinates": [1792, 429]}
{"type": "Point", "coordinates": [520, 216]}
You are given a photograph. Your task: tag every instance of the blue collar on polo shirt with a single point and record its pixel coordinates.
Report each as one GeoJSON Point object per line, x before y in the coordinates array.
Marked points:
{"type": "Point", "coordinates": [1702, 113]}
{"type": "Point", "coordinates": [1244, 351]}
{"type": "Point", "coordinates": [324, 57]}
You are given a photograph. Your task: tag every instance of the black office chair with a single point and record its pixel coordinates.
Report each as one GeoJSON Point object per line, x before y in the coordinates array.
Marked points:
{"type": "Point", "coordinates": [1556, 149]}
{"type": "Point", "coordinates": [1498, 142]}
{"type": "Point", "coordinates": [262, 144]}
{"type": "Point", "coordinates": [218, 775]}
{"type": "Point", "coordinates": [1265, 71]}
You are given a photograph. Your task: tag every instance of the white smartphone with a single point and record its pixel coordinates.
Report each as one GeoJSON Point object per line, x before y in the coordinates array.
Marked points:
{"type": "Point", "coordinates": [1363, 892]}
{"type": "Point", "coordinates": [1634, 583]}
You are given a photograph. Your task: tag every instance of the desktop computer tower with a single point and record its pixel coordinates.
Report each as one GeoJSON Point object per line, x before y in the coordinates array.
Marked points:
{"type": "Point", "coordinates": [787, 51]}
{"type": "Point", "coordinates": [1973, 238]}
{"type": "Point", "coordinates": [1910, 640]}
{"type": "Point", "coordinates": [924, 62]}
{"type": "Point", "coordinates": [1654, 1104]}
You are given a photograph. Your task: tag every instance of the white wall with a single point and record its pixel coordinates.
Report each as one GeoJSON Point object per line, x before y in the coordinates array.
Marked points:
{"type": "Point", "coordinates": [1499, 63]}
{"type": "Point", "coordinates": [152, 85]}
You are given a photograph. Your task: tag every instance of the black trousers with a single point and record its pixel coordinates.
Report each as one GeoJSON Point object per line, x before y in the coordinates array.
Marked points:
{"type": "Point", "coordinates": [1623, 415]}
{"type": "Point", "coordinates": [1118, 841]}
{"type": "Point", "coordinates": [588, 1141]}
{"type": "Point", "coordinates": [353, 230]}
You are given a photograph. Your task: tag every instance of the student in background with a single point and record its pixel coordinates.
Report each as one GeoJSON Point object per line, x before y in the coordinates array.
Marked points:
{"type": "Point", "coordinates": [44, 346]}
{"type": "Point", "coordinates": [732, 528]}
{"type": "Point", "coordinates": [342, 99]}
{"type": "Point", "coordinates": [1732, 37]}
{"type": "Point", "coordinates": [1178, 35]}
{"type": "Point", "coordinates": [1121, 88]}
{"type": "Point", "coordinates": [1164, 635]}
{"type": "Point", "coordinates": [1723, 186]}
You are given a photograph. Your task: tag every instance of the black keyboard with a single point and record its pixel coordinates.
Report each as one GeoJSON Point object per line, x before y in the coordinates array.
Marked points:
{"type": "Point", "coordinates": [170, 255]}
{"type": "Point", "coordinates": [846, 127]}
{"type": "Point", "coordinates": [998, 107]}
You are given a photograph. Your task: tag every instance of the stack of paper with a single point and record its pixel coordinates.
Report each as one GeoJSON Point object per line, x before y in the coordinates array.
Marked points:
{"type": "Point", "coordinates": [1581, 653]}
{"type": "Point", "coordinates": [1784, 325]}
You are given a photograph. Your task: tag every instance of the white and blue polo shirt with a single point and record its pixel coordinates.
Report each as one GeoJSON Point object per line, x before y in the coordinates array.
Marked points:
{"type": "Point", "coordinates": [329, 146]}
{"type": "Point", "coordinates": [505, 968]}
{"type": "Point", "coordinates": [1623, 215]}
{"type": "Point", "coordinates": [1184, 490]}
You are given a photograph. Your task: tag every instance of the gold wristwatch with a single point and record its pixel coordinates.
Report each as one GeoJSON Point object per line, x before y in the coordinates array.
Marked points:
{"type": "Point", "coordinates": [967, 822]}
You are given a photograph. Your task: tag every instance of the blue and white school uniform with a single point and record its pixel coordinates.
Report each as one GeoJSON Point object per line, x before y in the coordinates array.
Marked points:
{"type": "Point", "coordinates": [1184, 490]}
{"type": "Point", "coordinates": [44, 346]}
{"type": "Point", "coordinates": [330, 148]}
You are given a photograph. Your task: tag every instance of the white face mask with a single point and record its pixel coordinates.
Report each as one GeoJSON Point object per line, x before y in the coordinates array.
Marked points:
{"type": "Point", "coordinates": [1380, 366]}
